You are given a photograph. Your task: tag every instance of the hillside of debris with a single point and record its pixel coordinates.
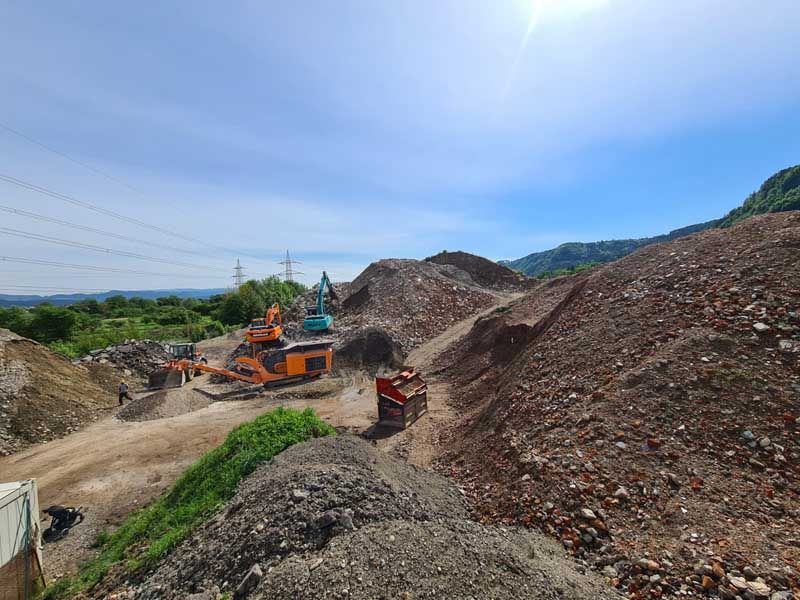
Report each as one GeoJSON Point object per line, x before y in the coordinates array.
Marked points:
{"type": "Point", "coordinates": [646, 414]}
{"type": "Point", "coordinates": [336, 518]}
{"type": "Point", "coordinates": [43, 396]}
{"type": "Point", "coordinates": [483, 271]}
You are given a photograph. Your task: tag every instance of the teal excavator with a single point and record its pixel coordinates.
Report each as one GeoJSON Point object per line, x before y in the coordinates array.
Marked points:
{"type": "Point", "coordinates": [316, 317]}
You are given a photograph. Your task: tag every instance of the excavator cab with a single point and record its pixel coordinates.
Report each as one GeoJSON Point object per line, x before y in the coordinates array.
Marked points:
{"type": "Point", "coordinates": [188, 351]}
{"type": "Point", "coordinates": [266, 330]}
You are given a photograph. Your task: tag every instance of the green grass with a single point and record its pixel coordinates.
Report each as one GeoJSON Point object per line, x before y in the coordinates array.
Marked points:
{"type": "Point", "coordinates": [149, 534]}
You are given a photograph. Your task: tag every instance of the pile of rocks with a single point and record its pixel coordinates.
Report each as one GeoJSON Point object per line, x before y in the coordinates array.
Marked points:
{"type": "Point", "coordinates": [412, 300]}
{"type": "Point", "coordinates": [335, 518]}
{"type": "Point", "coordinates": [133, 357]}
{"type": "Point", "coordinates": [663, 398]}
{"type": "Point", "coordinates": [43, 396]}
{"type": "Point", "coordinates": [484, 272]}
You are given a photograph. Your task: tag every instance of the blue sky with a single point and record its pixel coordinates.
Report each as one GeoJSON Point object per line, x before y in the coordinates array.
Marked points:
{"type": "Point", "coordinates": [355, 130]}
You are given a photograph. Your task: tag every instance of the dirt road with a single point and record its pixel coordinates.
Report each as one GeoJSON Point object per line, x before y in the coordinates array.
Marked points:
{"type": "Point", "coordinates": [420, 444]}
{"type": "Point", "coordinates": [113, 467]}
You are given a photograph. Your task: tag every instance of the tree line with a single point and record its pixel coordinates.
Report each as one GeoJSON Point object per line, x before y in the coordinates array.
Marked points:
{"type": "Point", "coordinates": [89, 324]}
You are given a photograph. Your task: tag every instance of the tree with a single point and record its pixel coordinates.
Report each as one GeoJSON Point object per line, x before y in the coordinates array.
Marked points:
{"type": "Point", "coordinates": [16, 319]}
{"type": "Point", "coordinates": [51, 323]}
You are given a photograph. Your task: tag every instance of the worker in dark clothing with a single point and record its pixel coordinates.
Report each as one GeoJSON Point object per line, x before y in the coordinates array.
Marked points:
{"type": "Point", "coordinates": [123, 392]}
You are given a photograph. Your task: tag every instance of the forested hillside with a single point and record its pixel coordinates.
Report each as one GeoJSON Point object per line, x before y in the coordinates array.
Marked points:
{"type": "Point", "coordinates": [781, 192]}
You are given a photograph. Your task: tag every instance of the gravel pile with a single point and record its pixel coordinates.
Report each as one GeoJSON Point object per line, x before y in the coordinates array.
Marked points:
{"type": "Point", "coordinates": [484, 272]}
{"type": "Point", "coordinates": [412, 300]}
{"type": "Point", "coordinates": [163, 404]}
{"type": "Point", "coordinates": [335, 518]}
{"type": "Point", "coordinates": [134, 357]}
{"type": "Point", "coordinates": [646, 414]}
{"type": "Point", "coordinates": [43, 396]}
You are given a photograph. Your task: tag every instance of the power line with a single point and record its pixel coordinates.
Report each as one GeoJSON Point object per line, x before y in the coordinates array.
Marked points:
{"type": "Point", "coordinates": [49, 263]}
{"type": "Point", "coordinates": [44, 218]}
{"type": "Point", "coordinates": [69, 158]}
{"type": "Point", "coordinates": [52, 240]}
{"type": "Point", "coordinates": [98, 209]}
{"type": "Point", "coordinates": [47, 288]}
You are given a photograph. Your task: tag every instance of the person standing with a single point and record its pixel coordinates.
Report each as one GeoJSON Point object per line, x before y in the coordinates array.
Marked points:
{"type": "Point", "coordinates": [123, 392]}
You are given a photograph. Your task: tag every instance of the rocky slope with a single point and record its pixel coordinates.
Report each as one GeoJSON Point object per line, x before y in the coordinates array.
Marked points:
{"type": "Point", "coordinates": [335, 518]}
{"type": "Point", "coordinates": [43, 396]}
{"type": "Point", "coordinates": [646, 414]}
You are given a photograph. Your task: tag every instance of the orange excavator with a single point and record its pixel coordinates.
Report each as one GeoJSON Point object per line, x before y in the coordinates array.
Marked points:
{"type": "Point", "coordinates": [296, 362]}
{"type": "Point", "coordinates": [267, 330]}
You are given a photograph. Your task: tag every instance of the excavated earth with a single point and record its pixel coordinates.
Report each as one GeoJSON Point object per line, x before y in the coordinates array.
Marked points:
{"type": "Point", "coordinates": [483, 271]}
{"type": "Point", "coordinates": [645, 414]}
{"type": "Point", "coordinates": [395, 305]}
{"type": "Point", "coordinates": [43, 396]}
{"type": "Point", "coordinates": [336, 518]}
{"type": "Point", "coordinates": [163, 404]}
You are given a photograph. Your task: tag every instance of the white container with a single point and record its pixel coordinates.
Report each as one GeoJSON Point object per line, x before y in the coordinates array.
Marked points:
{"type": "Point", "coordinates": [20, 540]}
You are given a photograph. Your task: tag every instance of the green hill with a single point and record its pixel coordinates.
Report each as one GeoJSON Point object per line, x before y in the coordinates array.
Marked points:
{"type": "Point", "coordinates": [780, 192]}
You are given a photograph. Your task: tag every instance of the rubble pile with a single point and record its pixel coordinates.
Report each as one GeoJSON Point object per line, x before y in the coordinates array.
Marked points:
{"type": "Point", "coordinates": [483, 271]}
{"type": "Point", "coordinates": [650, 420]}
{"type": "Point", "coordinates": [412, 300]}
{"type": "Point", "coordinates": [335, 518]}
{"type": "Point", "coordinates": [134, 357]}
{"type": "Point", "coordinates": [43, 396]}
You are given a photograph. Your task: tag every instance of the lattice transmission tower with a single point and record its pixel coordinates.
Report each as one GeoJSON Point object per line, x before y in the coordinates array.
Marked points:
{"type": "Point", "coordinates": [238, 274]}
{"type": "Point", "coordinates": [288, 267]}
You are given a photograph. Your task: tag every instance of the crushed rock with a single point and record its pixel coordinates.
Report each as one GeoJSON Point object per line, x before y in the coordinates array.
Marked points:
{"type": "Point", "coordinates": [648, 375]}
{"type": "Point", "coordinates": [138, 357]}
{"type": "Point", "coordinates": [163, 404]}
{"type": "Point", "coordinates": [336, 518]}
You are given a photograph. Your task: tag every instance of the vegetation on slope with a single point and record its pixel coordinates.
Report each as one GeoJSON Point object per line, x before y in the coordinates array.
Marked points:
{"type": "Point", "coordinates": [88, 324]}
{"type": "Point", "coordinates": [779, 193]}
{"type": "Point", "coordinates": [572, 254]}
{"type": "Point", "coordinates": [151, 533]}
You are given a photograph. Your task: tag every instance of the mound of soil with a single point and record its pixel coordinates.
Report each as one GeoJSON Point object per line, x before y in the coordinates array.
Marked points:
{"type": "Point", "coordinates": [163, 404]}
{"type": "Point", "coordinates": [650, 419]}
{"type": "Point", "coordinates": [413, 301]}
{"type": "Point", "coordinates": [370, 349]}
{"type": "Point", "coordinates": [335, 518]}
{"type": "Point", "coordinates": [483, 271]}
{"type": "Point", "coordinates": [44, 396]}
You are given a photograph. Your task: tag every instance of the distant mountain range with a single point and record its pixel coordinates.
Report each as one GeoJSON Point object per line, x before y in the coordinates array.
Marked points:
{"type": "Point", "coordinates": [64, 299]}
{"type": "Point", "coordinates": [779, 193]}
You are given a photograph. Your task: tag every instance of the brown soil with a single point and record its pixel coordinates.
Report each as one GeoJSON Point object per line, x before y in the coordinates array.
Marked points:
{"type": "Point", "coordinates": [484, 272]}
{"type": "Point", "coordinates": [43, 396]}
{"type": "Point", "coordinates": [662, 393]}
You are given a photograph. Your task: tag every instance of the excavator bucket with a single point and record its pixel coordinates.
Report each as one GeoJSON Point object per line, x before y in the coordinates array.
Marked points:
{"type": "Point", "coordinates": [402, 399]}
{"type": "Point", "coordinates": [166, 377]}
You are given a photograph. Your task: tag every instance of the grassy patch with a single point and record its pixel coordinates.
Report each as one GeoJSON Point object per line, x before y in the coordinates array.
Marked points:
{"type": "Point", "coordinates": [151, 533]}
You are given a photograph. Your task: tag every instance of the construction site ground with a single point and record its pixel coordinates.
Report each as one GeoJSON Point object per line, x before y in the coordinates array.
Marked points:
{"type": "Point", "coordinates": [114, 466]}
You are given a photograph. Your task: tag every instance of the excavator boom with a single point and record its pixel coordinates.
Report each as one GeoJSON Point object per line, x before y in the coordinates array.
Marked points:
{"type": "Point", "coordinates": [317, 319]}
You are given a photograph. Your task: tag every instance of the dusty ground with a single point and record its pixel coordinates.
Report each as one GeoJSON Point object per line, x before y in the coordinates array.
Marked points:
{"type": "Point", "coordinates": [113, 467]}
